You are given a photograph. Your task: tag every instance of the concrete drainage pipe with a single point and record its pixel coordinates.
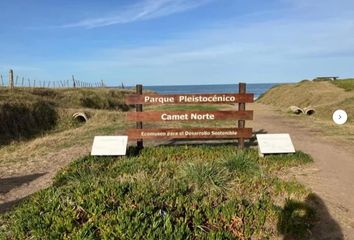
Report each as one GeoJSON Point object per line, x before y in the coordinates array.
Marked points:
{"type": "Point", "coordinates": [309, 110]}
{"type": "Point", "coordinates": [80, 116]}
{"type": "Point", "coordinates": [296, 109]}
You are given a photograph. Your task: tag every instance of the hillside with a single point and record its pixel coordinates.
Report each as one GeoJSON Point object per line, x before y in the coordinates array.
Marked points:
{"type": "Point", "coordinates": [95, 98]}
{"type": "Point", "coordinates": [324, 96]}
{"type": "Point", "coordinates": [26, 112]}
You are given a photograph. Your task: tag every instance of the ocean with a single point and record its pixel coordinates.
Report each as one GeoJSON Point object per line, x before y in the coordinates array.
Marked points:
{"type": "Point", "coordinates": [256, 88]}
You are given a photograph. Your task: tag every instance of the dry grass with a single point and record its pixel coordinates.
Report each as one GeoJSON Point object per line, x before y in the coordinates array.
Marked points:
{"type": "Point", "coordinates": [26, 156]}
{"type": "Point", "coordinates": [305, 94]}
{"type": "Point", "coordinates": [324, 96]}
{"type": "Point", "coordinates": [95, 98]}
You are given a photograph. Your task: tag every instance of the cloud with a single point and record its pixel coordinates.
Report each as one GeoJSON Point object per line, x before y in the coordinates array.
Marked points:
{"type": "Point", "coordinates": [276, 40]}
{"type": "Point", "coordinates": [287, 44]}
{"type": "Point", "coordinates": [145, 10]}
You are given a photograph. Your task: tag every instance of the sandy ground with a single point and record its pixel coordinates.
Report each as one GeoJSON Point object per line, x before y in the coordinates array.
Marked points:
{"type": "Point", "coordinates": [331, 176]}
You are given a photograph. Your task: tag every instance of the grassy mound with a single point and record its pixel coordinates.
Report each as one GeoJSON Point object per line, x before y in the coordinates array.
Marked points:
{"type": "Point", "coordinates": [167, 193]}
{"type": "Point", "coordinates": [26, 112]}
{"type": "Point", "coordinates": [96, 98]}
{"type": "Point", "coordinates": [346, 84]}
{"type": "Point", "coordinates": [324, 96]}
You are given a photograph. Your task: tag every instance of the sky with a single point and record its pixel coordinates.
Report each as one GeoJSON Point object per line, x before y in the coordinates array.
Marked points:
{"type": "Point", "coordinates": [177, 42]}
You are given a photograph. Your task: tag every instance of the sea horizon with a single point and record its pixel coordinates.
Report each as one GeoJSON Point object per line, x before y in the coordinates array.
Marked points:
{"type": "Point", "coordinates": [256, 88]}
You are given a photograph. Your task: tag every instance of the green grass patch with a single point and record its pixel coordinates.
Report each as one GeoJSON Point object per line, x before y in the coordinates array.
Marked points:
{"type": "Point", "coordinates": [280, 161]}
{"type": "Point", "coordinates": [185, 192]}
{"type": "Point", "coordinates": [346, 84]}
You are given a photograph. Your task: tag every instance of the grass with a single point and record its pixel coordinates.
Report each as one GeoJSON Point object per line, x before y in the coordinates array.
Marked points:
{"type": "Point", "coordinates": [346, 84]}
{"type": "Point", "coordinates": [324, 96]}
{"type": "Point", "coordinates": [185, 192]}
{"type": "Point", "coordinates": [26, 113]}
{"type": "Point", "coordinates": [67, 142]}
{"type": "Point", "coordinates": [22, 121]}
{"type": "Point", "coordinates": [95, 98]}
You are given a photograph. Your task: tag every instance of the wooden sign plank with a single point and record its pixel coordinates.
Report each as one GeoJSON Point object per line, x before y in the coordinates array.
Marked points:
{"type": "Point", "coordinates": [193, 133]}
{"type": "Point", "coordinates": [157, 99]}
{"type": "Point", "coordinates": [167, 116]}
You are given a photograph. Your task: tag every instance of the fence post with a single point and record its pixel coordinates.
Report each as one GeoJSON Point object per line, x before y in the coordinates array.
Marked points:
{"type": "Point", "coordinates": [2, 81]}
{"type": "Point", "coordinates": [74, 83]}
{"type": "Point", "coordinates": [139, 108]}
{"type": "Point", "coordinates": [11, 79]}
{"type": "Point", "coordinates": [241, 107]}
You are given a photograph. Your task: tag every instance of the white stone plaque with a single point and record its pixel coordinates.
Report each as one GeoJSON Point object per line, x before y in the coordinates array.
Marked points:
{"type": "Point", "coordinates": [109, 145]}
{"type": "Point", "coordinates": [274, 143]}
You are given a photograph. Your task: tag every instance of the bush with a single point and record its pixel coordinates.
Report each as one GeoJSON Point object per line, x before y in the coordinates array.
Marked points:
{"type": "Point", "coordinates": [92, 101]}
{"type": "Point", "coordinates": [20, 121]}
{"type": "Point", "coordinates": [112, 100]}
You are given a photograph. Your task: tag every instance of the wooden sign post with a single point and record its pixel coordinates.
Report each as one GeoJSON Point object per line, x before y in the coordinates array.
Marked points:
{"type": "Point", "coordinates": [11, 79]}
{"type": "Point", "coordinates": [241, 107]}
{"type": "Point", "coordinates": [240, 115]}
{"type": "Point", "coordinates": [139, 108]}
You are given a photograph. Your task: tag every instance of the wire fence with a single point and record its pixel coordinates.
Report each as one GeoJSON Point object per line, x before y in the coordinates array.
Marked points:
{"type": "Point", "coordinates": [16, 81]}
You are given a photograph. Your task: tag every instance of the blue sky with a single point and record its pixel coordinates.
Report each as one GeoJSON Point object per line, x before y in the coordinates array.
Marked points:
{"type": "Point", "coordinates": [167, 42]}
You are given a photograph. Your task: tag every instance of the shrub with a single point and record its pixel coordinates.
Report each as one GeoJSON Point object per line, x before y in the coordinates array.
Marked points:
{"type": "Point", "coordinates": [20, 121]}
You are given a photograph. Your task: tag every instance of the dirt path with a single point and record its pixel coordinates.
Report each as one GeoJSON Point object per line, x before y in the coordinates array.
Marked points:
{"type": "Point", "coordinates": [29, 166]}
{"type": "Point", "coordinates": [29, 178]}
{"type": "Point", "coordinates": [331, 176]}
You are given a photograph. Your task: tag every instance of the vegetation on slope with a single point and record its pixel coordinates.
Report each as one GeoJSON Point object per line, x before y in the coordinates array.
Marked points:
{"type": "Point", "coordinates": [25, 113]}
{"type": "Point", "coordinates": [167, 193]}
{"type": "Point", "coordinates": [95, 98]}
{"type": "Point", "coordinates": [324, 96]}
{"type": "Point", "coordinates": [21, 121]}
{"type": "Point", "coordinates": [346, 84]}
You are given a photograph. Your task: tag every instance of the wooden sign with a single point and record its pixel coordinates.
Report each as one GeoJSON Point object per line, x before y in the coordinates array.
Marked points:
{"type": "Point", "coordinates": [193, 133]}
{"type": "Point", "coordinates": [239, 115]}
{"type": "Point", "coordinates": [189, 115]}
{"type": "Point", "coordinates": [156, 99]}
{"type": "Point", "coordinates": [274, 143]}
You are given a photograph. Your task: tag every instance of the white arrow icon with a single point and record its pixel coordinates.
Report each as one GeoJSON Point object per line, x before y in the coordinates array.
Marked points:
{"type": "Point", "coordinates": [340, 117]}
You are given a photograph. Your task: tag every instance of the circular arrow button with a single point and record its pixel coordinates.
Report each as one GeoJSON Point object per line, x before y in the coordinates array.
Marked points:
{"type": "Point", "coordinates": [340, 117]}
